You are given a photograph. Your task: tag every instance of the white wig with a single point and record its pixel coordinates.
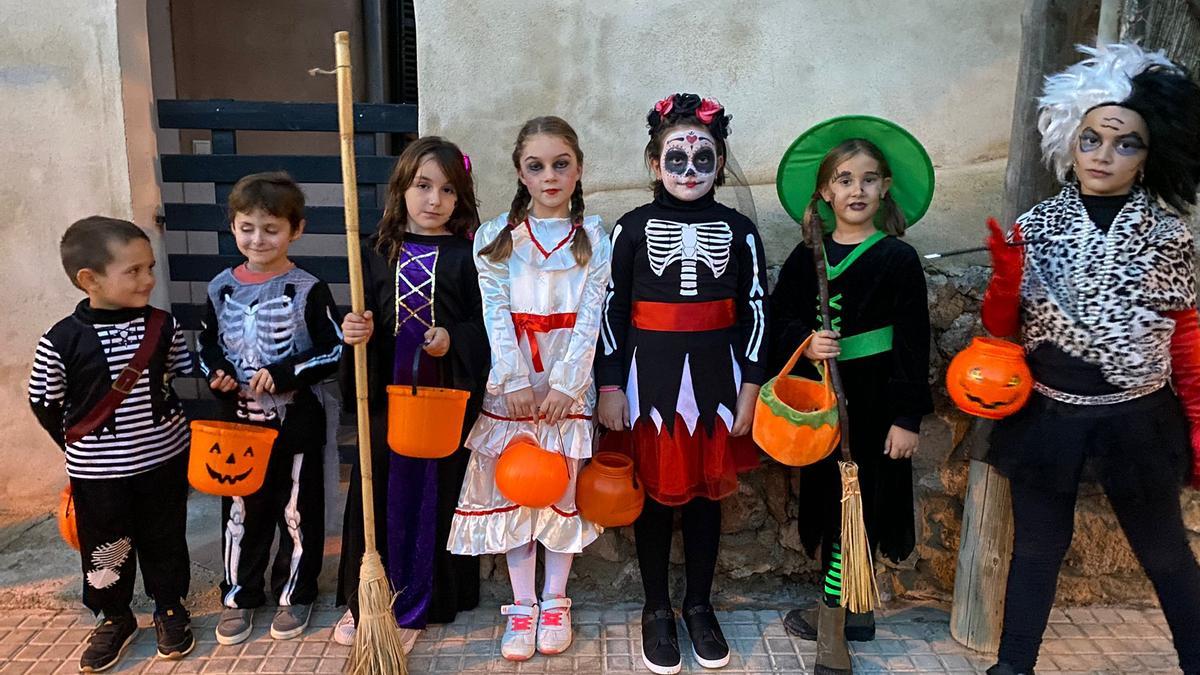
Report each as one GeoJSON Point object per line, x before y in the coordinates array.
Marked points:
{"type": "Point", "coordinates": [1105, 77]}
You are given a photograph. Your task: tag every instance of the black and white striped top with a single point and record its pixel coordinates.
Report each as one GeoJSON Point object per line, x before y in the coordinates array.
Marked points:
{"type": "Point", "coordinates": [67, 379]}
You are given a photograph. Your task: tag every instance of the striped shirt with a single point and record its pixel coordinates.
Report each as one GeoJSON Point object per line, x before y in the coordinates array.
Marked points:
{"type": "Point", "coordinates": [131, 441]}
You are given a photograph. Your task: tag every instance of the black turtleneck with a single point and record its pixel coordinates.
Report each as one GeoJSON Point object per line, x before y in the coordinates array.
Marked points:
{"type": "Point", "coordinates": [1103, 210]}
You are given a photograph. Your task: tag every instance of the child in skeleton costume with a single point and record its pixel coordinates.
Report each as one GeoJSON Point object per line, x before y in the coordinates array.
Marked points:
{"type": "Point", "coordinates": [1102, 296]}
{"type": "Point", "coordinates": [542, 267]}
{"type": "Point", "coordinates": [420, 281]}
{"type": "Point", "coordinates": [683, 350]}
{"type": "Point", "coordinates": [879, 336]}
{"type": "Point", "coordinates": [101, 387]}
{"type": "Point", "coordinates": [270, 336]}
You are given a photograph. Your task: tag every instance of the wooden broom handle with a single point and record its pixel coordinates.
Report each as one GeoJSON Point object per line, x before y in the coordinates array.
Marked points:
{"type": "Point", "coordinates": [816, 239]}
{"type": "Point", "coordinates": [345, 93]}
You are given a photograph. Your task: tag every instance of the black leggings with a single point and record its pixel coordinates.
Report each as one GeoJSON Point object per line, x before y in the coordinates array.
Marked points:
{"type": "Point", "coordinates": [1043, 525]}
{"type": "Point", "coordinates": [701, 537]}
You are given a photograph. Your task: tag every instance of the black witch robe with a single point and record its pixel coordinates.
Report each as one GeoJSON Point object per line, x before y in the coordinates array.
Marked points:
{"type": "Point", "coordinates": [459, 309]}
{"type": "Point", "coordinates": [877, 284]}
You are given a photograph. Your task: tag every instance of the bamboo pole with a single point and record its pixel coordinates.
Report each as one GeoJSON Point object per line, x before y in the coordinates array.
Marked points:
{"type": "Point", "coordinates": [378, 646]}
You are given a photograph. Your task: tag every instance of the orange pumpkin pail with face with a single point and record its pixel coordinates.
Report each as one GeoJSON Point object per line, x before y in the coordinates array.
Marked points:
{"type": "Point", "coordinates": [67, 527]}
{"type": "Point", "coordinates": [607, 492]}
{"type": "Point", "coordinates": [795, 418]}
{"type": "Point", "coordinates": [989, 378]}
{"type": "Point", "coordinates": [229, 459]}
{"type": "Point", "coordinates": [530, 475]}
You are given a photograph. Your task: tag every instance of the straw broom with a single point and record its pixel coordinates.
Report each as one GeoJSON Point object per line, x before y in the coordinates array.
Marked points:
{"type": "Point", "coordinates": [859, 591]}
{"type": "Point", "coordinates": [378, 648]}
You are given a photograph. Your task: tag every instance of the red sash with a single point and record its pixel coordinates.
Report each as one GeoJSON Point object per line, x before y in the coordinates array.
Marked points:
{"type": "Point", "coordinates": [532, 324]}
{"type": "Point", "coordinates": [684, 317]}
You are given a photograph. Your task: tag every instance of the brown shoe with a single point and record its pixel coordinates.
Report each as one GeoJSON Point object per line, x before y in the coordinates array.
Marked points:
{"type": "Point", "coordinates": [833, 654]}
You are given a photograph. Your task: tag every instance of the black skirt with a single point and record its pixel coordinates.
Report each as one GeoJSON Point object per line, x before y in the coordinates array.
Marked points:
{"type": "Point", "coordinates": [1135, 448]}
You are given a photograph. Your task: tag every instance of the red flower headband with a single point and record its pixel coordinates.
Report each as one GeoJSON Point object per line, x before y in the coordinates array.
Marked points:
{"type": "Point", "coordinates": [709, 108]}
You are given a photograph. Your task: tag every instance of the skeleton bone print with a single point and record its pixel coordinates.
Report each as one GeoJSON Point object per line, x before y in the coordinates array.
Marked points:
{"type": "Point", "coordinates": [257, 335]}
{"type": "Point", "coordinates": [668, 242]}
{"type": "Point", "coordinates": [107, 559]}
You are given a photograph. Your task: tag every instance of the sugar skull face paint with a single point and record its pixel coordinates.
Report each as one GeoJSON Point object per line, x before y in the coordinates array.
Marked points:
{"type": "Point", "coordinates": [689, 163]}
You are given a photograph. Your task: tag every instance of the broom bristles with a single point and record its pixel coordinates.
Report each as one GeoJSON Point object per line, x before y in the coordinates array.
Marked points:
{"type": "Point", "coordinates": [859, 590]}
{"type": "Point", "coordinates": [378, 645]}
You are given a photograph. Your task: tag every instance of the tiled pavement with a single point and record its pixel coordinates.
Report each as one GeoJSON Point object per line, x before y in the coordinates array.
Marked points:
{"type": "Point", "coordinates": [910, 639]}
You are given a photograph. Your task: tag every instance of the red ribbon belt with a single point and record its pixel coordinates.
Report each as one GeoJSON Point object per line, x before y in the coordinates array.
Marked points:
{"type": "Point", "coordinates": [532, 324]}
{"type": "Point", "coordinates": [684, 317]}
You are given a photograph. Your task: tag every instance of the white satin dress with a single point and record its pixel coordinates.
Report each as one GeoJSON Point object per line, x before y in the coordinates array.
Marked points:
{"type": "Point", "coordinates": [542, 289]}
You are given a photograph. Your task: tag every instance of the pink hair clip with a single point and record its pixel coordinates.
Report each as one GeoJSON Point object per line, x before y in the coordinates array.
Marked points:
{"type": "Point", "coordinates": [467, 162]}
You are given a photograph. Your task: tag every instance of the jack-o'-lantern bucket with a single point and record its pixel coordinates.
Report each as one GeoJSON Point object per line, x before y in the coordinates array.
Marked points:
{"type": "Point", "coordinates": [989, 378]}
{"type": "Point", "coordinates": [67, 527]}
{"type": "Point", "coordinates": [229, 459]}
{"type": "Point", "coordinates": [530, 475]}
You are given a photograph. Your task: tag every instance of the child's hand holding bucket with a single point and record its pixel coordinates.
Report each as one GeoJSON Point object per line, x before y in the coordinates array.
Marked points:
{"type": "Point", "coordinates": [437, 341]}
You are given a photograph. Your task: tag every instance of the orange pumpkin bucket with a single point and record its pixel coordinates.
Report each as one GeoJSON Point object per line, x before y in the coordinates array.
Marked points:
{"type": "Point", "coordinates": [795, 418]}
{"type": "Point", "coordinates": [607, 492]}
{"type": "Point", "coordinates": [425, 422]}
{"type": "Point", "coordinates": [530, 475]}
{"type": "Point", "coordinates": [229, 459]}
{"type": "Point", "coordinates": [67, 527]}
{"type": "Point", "coordinates": [989, 378]}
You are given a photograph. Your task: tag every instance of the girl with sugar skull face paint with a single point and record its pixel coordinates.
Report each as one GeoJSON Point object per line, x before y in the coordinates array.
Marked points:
{"type": "Point", "coordinates": [680, 363]}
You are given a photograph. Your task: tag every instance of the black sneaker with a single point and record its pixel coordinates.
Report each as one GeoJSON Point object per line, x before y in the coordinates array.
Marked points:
{"type": "Point", "coordinates": [1005, 669]}
{"type": "Point", "coordinates": [802, 623]}
{"type": "Point", "coordinates": [660, 642]}
{"type": "Point", "coordinates": [174, 633]}
{"type": "Point", "coordinates": [107, 642]}
{"type": "Point", "coordinates": [708, 643]}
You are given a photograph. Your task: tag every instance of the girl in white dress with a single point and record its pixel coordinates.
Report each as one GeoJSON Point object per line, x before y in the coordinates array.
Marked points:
{"type": "Point", "coordinates": [543, 268]}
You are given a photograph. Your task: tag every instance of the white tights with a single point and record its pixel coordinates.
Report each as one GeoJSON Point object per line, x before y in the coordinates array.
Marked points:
{"type": "Point", "coordinates": [522, 572]}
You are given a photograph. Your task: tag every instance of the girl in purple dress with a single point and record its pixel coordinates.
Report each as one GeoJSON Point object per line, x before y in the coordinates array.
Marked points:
{"type": "Point", "coordinates": [422, 290]}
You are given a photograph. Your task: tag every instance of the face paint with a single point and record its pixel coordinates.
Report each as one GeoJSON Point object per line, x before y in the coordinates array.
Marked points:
{"type": "Point", "coordinates": [688, 163]}
{"type": "Point", "coordinates": [1111, 151]}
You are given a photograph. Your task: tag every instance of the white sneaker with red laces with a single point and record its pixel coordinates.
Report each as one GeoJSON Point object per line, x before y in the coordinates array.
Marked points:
{"type": "Point", "coordinates": [519, 641]}
{"type": "Point", "coordinates": [554, 626]}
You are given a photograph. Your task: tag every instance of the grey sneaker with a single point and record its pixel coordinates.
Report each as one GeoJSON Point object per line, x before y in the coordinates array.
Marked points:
{"type": "Point", "coordinates": [290, 621]}
{"type": "Point", "coordinates": [234, 626]}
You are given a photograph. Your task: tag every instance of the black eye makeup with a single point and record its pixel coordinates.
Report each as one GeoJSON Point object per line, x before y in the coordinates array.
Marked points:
{"type": "Point", "coordinates": [1130, 144]}
{"type": "Point", "coordinates": [705, 160]}
{"type": "Point", "coordinates": [675, 161]}
{"type": "Point", "coordinates": [1089, 140]}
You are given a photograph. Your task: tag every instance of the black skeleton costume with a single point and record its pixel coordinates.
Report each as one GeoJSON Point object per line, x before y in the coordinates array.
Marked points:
{"type": "Point", "coordinates": [287, 324]}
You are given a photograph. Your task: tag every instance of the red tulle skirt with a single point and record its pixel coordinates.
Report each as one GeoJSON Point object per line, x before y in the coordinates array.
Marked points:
{"type": "Point", "coordinates": [677, 468]}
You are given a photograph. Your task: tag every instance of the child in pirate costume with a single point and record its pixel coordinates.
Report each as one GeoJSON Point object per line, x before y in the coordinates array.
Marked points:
{"type": "Point", "coordinates": [420, 280]}
{"type": "Point", "coordinates": [1102, 296]}
{"type": "Point", "coordinates": [682, 357]}
{"type": "Point", "coordinates": [863, 180]}
{"type": "Point", "coordinates": [101, 387]}
{"type": "Point", "coordinates": [270, 336]}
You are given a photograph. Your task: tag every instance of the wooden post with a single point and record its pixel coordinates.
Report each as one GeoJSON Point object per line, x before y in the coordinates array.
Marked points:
{"type": "Point", "coordinates": [1049, 29]}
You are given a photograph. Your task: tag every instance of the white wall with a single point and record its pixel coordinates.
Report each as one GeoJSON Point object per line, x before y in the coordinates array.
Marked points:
{"type": "Point", "coordinates": [945, 69]}
{"type": "Point", "coordinates": [65, 103]}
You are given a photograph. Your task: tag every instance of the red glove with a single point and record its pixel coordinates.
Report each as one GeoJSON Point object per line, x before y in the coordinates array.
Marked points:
{"type": "Point", "coordinates": [1185, 374]}
{"type": "Point", "coordinates": [1002, 301]}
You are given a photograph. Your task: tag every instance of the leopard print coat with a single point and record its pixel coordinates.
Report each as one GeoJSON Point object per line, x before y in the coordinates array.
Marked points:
{"type": "Point", "coordinates": [1101, 297]}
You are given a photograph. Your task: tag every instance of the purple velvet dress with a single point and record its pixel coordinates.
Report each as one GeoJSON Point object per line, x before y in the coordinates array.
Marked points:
{"type": "Point", "coordinates": [412, 483]}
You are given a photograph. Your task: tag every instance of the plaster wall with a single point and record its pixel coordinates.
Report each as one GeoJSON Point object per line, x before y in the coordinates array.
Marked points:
{"type": "Point", "coordinates": [76, 140]}
{"type": "Point", "coordinates": [943, 69]}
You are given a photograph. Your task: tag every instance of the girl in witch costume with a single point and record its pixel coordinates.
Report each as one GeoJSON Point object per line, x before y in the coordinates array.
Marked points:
{"type": "Point", "coordinates": [542, 267]}
{"type": "Point", "coordinates": [872, 179]}
{"type": "Point", "coordinates": [1103, 297]}
{"type": "Point", "coordinates": [420, 282]}
{"type": "Point", "coordinates": [684, 345]}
